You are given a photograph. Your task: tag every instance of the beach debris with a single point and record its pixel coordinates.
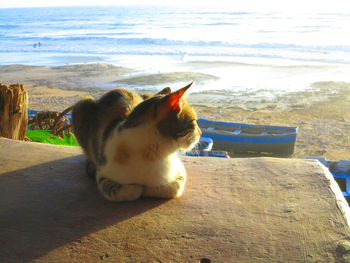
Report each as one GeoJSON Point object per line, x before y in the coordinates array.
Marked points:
{"type": "Point", "coordinates": [57, 122]}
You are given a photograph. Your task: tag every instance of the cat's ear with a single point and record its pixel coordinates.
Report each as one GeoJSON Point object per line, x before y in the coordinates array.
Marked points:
{"type": "Point", "coordinates": [174, 99]}
{"type": "Point", "coordinates": [164, 91]}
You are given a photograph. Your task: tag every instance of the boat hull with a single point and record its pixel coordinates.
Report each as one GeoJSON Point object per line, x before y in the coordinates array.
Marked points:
{"type": "Point", "coordinates": [245, 138]}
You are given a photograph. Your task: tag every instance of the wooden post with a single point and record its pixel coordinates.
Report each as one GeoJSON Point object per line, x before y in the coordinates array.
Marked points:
{"type": "Point", "coordinates": [13, 111]}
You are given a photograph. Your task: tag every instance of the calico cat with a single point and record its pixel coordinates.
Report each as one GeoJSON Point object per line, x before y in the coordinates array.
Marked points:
{"type": "Point", "coordinates": [131, 142]}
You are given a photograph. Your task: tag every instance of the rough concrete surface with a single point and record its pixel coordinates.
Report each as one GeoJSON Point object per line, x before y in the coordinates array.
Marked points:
{"type": "Point", "coordinates": [233, 210]}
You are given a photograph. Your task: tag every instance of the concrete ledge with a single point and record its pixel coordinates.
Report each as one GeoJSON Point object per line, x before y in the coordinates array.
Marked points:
{"type": "Point", "coordinates": [233, 210]}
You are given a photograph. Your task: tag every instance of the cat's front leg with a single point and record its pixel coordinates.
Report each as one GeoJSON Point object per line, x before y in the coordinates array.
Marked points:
{"type": "Point", "coordinates": [170, 190]}
{"type": "Point", "coordinates": [116, 192]}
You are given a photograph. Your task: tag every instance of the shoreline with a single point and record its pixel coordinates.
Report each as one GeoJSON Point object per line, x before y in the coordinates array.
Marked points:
{"type": "Point", "coordinates": [46, 83]}
{"type": "Point", "coordinates": [321, 112]}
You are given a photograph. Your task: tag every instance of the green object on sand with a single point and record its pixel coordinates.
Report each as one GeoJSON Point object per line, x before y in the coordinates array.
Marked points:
{"type": "Point", "coordinates": [44, 136]}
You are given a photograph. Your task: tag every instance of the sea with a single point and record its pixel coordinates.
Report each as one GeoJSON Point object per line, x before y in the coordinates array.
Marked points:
{"type": "Point", "coordinates": [270, 52]}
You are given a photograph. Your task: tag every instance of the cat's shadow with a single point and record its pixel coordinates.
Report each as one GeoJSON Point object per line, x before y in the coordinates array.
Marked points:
{"type": "Point", "coordinates": [46, 206]}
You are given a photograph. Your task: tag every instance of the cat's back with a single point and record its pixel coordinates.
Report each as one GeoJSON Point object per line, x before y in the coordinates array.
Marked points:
{"type": "Point", "coordinates": [93, 120]}
{"type": "Point", "coordinates": [118, 103]}
{"type": "Point", "coordinates": [114, 107]}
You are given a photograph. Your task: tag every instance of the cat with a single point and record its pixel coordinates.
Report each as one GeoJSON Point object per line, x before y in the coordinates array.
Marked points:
{"type": "Point", "coordinates": [131, 142]}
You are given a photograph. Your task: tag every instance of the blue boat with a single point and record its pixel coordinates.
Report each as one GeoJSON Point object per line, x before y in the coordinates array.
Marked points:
{"type": "Point", "coordinates": [247, 138]}
{"type": "Point", "coordinates": [202, 153]}
{"type": "Point", "coordinates": [204, 149]}
{"type": "Point", "coordinates": [229, 137]}
{"type": "Point", "coordinates": [340, 170]}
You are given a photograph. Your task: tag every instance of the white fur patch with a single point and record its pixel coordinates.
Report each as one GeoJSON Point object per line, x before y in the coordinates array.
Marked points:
{"type": "Point", "coordinates": [137, 169]}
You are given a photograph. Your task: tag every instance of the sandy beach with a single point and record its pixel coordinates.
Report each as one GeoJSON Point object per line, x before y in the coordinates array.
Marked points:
{"type": "Point", "coordinates": [322, 113]}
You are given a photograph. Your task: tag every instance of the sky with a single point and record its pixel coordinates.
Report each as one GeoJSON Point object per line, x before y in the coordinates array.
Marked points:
{"type": "Point", "coordinates": [244, 5]}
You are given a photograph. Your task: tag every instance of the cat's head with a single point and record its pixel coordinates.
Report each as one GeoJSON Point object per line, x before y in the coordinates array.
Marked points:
{"type": "Point", "coordinates": [171, 115]}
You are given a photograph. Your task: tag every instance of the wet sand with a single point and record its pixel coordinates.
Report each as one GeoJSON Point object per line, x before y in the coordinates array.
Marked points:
{"type": "Point", "coordinates": [322, 113]}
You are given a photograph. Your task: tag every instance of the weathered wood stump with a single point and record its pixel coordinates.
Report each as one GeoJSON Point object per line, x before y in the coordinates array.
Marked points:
{"type": "Point", "coordinates": [13, 111]}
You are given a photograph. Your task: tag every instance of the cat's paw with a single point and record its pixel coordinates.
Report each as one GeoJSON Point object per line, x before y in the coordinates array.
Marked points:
{"type": "Point", "coordinates": [116, 192]}
{"type": "Point", "coordinates": [171, 190]}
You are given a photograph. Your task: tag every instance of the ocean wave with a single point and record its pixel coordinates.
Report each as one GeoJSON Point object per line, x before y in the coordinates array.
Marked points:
{"type": "Point", "coordinates": [179, 33]}
{"type": "Point", "coordinates": [222, 24]}
{"type": "Point", "coordinates": [7, 26]}
{"type": "Point", "coordinates": [177, 54]}
{"type": "Point", "coordinates": [127, 41]}
{"type": "Point", "coordinates": [224, 13]}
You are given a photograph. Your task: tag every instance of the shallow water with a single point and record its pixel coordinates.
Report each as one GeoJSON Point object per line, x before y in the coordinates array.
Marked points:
{"type": "Point", "coordinates": [249, 52]}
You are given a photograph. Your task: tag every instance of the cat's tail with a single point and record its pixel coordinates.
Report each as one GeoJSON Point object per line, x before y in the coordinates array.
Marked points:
{"type": "Point", "coordinates": [85, 122]}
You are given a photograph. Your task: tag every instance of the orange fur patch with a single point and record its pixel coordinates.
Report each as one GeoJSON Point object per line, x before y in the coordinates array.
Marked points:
{"type": "Point", "coordinates": [122, 154]}
{"type": "Point", "coordinates": [174, 101]}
